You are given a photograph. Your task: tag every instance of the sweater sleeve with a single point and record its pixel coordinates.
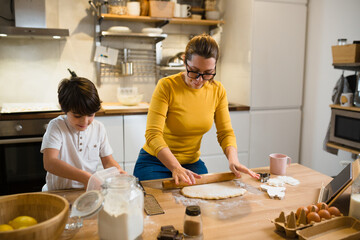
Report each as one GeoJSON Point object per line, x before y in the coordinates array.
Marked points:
{"type": "Point", "coordinates": [156, 117]}
{"type": "Point", "coordinates": [225, 132]}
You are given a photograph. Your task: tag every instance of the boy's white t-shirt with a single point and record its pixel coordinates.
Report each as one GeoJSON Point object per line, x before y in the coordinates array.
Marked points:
{"type": "Point", "coordinates": [81, 149]}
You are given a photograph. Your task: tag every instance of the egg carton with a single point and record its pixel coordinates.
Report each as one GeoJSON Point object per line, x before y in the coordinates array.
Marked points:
{"type": "Point", "coordinates": [289, 224]}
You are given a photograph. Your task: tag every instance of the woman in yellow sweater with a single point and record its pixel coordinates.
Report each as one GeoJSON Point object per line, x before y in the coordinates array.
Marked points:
{"type": "Point", "coordinates": [182, 109]}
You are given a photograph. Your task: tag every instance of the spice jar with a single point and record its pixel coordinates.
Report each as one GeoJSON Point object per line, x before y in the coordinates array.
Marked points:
{"type": "Point", "coordinates": [193, 223]}
{"type": "Point", "coordinates": [122, 214]}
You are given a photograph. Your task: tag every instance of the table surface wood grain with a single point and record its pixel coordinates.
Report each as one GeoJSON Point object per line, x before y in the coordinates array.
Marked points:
{"type": "Point", "coordinates": [243, 217]}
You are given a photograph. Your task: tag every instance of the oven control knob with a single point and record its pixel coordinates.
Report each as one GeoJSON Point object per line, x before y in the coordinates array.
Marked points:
{"type": "Point", "coordinates": [18, 127]}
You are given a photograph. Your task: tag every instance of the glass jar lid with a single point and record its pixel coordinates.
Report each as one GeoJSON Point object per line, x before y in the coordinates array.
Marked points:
{"type": "Point", "coordinates": [87, 204]}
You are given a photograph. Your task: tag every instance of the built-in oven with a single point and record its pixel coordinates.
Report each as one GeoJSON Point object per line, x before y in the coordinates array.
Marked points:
{"type": "Point", "coordinates": [21, 163]}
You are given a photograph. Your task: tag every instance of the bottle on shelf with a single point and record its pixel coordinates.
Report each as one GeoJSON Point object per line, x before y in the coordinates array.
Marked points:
{"type": "Point", "coordinates": [357, 91]}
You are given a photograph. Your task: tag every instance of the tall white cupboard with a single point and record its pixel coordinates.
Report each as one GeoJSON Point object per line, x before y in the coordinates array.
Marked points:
{"type": "Point", "coordinates": [263, 54]}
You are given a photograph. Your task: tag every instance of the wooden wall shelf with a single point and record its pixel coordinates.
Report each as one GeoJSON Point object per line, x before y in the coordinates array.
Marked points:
{"type": "Point", "coordinates": [347, 66]}
{"type": "Point", "coordinates": [148, 19]}
{"type": "Point", "coordinates": [340, 147]}
{"type": "Point", "coordinates": [337, 106]}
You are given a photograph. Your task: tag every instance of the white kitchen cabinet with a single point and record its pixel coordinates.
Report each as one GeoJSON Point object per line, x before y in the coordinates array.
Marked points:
{"type": "Point", "coordinates": [240, 123]}
{"type": "Point", "coordinates": [267, 61]}
{"type": "Point", "coordinates": [114, 130]}
{"type": "Point", "coordinates": [277, 56]}
{"type": "Point", "coordinates": [127, 136]}
{"type": "Point", "coordinates": [274, 131]}
{"type": "Point", "coordinates": [211, 152]}
{"type": "Point", "coordinates": [219, 162]}
{"type": "Point", "coordinates": [134, 139]}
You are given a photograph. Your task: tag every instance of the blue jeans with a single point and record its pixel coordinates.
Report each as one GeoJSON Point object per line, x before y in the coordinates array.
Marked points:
{"type": "Point", "coordinates": [148, 167]}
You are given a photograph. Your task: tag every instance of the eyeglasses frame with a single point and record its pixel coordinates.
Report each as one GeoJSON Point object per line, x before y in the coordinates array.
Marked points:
{"type": "Point", "coordinates": [200, 74]}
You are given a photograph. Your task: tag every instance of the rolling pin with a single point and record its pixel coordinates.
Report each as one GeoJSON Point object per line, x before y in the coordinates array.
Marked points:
{"type": "Point", "coordinates": [205, 178]}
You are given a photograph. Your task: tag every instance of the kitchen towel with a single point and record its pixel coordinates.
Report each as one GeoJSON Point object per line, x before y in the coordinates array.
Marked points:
{"type": "Point", "coordinates": [343, 85]}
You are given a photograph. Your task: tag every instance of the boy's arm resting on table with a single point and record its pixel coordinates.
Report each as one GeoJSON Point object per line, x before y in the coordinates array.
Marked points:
{"type": "Point", "coordinates": [60, 168]}
{"type": "Point", "coordinates": [109, 161]}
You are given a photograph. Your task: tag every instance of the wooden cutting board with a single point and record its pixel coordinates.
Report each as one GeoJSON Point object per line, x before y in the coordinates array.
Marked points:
{"type": "Point", "coordinates": [205, 178]}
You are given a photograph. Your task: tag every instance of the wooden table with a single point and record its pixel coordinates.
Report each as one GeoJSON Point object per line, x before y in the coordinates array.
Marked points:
{"type": "Point", "coordinates": [244, 217]}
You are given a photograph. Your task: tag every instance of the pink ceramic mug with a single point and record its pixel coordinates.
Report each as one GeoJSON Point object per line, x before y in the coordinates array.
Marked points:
{"type": "Point", "coordinates": [279, 163]}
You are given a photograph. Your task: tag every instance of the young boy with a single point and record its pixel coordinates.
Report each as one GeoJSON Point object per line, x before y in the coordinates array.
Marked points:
{"type": "Point", "coordinates": [74, 143]}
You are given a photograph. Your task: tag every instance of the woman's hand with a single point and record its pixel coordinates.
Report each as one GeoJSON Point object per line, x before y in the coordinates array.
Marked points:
{"type": "Point", "coordinates": [234, 164]}
{"type": "Point", "coordinates": [236, 168]}
{"type": "Point", "coordinates": [181, 174]}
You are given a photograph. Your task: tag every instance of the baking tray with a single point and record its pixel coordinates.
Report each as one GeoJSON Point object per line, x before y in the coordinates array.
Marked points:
{"type": "Point", "coordinates": [337, 228]}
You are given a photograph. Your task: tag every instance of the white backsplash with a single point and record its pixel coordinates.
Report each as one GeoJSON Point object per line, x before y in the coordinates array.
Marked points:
{"type": "Point", "coordinates": [31, 69]}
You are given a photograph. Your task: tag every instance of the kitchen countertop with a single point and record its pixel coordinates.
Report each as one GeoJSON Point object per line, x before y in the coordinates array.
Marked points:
{"type": "Point", "coordinates": [244, 217]}
{"type": "Point", "coordinates": [108, 109]}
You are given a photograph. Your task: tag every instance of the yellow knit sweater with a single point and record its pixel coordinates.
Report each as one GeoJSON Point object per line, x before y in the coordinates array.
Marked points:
{"type": "Point", "coordinates": [179, 116]}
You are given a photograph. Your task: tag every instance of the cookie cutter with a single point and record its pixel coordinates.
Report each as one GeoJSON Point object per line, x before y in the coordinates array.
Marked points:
{"type": "Point", "coordinates": [264, 177]}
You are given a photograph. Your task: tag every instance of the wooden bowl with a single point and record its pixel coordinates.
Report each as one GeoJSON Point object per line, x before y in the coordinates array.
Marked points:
{"type": "Point", "coordinates": [51, 212]}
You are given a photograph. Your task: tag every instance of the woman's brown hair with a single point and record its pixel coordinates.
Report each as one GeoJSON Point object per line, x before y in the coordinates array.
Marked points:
{"type": "Point", "coordinates": [78, 95]}
{"type": "Point", "coordinates": [203, 45]}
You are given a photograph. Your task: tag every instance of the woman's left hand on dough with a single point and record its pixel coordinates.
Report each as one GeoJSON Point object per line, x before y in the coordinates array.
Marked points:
{"type": "Point", "coordinates": [236, 168]}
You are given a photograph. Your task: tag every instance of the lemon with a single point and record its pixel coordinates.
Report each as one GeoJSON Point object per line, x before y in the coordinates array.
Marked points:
{"type": "Point", "coordinates": [5, 227]}
{"type": "Point", "coordinates": [22, 221]}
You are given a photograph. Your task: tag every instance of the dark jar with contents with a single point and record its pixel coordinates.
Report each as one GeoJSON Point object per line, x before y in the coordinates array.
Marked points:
{"type": "Point", "coordinates": [193, 223]}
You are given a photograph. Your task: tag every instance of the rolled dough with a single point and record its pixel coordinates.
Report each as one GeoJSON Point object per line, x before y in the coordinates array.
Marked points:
{"type": "Point", "coordinates": [220, 190]}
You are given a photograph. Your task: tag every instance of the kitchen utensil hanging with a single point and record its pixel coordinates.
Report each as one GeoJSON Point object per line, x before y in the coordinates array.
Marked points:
{"type": "Point", "coordinates": [126, 66]}
{"type": "Point", "coordinates": [143, 67]}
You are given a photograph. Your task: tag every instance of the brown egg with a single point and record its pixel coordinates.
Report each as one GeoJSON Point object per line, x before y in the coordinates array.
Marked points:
{"type": "Point", "coordinates": [334, 211]}
{"type": "Point", "coordinates": [298, 211]}
{"type": "Point", "coordinates": [313, 208]}
{"type": "Point", "coordinates": [322, 205]}
{"type": "Point", "coordinates": [313, 217]}
{"type": "Point", "coordinates": [324, 214]}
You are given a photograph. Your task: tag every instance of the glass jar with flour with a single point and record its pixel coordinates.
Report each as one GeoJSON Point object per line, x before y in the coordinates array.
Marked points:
{"type": "Point", "coordinates": [119, 202]}
{"type": "Point", "coordinates": [122, 214]}
{"type": "Point", "coordinates": [354, 210]}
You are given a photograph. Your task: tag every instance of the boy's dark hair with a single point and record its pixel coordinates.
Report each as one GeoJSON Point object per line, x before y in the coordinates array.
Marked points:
{"type": "Point", "coordinates": [78, 95]}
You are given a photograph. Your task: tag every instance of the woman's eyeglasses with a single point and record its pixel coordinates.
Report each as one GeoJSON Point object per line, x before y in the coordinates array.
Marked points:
{"type": "Point", "coordinates": [196, 75]}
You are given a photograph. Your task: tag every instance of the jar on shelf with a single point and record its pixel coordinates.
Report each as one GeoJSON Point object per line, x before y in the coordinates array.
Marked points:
{"type": "Point", "coordinates": [357, 91]}
{"type": "Point", "coordinates": [193, 223]}
{"type": "Point", "coordinates": [118, 7]}
{"type": "Point", "coordinates": [342, 41]}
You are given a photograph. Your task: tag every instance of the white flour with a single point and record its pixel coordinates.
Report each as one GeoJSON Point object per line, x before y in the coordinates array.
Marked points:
{"type": "Point", "coordinates": [124, 226]}
{"type": "Point", "coordinates": [222, 209]}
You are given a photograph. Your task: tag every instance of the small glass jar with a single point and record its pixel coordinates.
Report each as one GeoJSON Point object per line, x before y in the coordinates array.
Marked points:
{"type": "Point", "coordinates": [342, 41]}
{"type": "Point", "coordinates": [356, 99]}
{"type": "Point", "coordinates": [118, 7]}
{"type": "Point", "coordinates": [354, 210]}
{"type": "Point", "coordinates": [193, 223]}
{"type": "Point", "coordinates": [122, 214]}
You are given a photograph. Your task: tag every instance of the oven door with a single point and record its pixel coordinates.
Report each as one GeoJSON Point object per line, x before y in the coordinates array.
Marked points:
{"type": "Point", "coordinates": [21, 165]}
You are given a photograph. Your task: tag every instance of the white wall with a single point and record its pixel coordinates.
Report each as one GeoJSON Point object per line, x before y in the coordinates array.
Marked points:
{"type": "Point", "coordinates": [328, 20]}
{"type": "Point", "coordinates": [30, 69]}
